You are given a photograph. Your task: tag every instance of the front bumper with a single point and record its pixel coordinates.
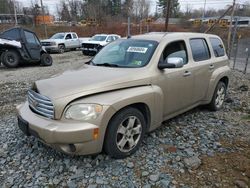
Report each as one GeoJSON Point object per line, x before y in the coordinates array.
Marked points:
{"type": "Point", "coordinates": [51, 48]}
{"type": "Point", "coordinates": [67, 136]}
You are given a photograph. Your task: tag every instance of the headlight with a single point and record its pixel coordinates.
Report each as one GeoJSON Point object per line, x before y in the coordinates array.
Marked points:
{"type": "Point", "coordinates": [82, 112]}
{"type": "Point", "coordinates": [53, 43]}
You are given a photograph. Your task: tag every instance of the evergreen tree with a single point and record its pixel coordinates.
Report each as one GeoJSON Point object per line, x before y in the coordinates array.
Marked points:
{"type": "Point", "coordinates": [174, 7]}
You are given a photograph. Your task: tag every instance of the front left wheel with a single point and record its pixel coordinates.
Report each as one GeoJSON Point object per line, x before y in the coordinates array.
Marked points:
{"type": "Point", "coordinates": [46, 60]}
{"type": "Point", "coordinates": [125, 133]}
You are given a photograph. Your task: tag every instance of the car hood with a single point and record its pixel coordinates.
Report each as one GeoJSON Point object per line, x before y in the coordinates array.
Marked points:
{"type": "Point", "coordinates": [94, 42]}
{"type": "Point", "coordinates": [90, 80]}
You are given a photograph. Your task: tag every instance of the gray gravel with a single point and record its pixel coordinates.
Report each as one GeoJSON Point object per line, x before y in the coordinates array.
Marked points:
{"type": "Point", "coordinates": [175, 147]}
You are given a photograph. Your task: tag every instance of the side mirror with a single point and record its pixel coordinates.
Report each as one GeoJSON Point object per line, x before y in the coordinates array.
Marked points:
{"type": "Point", "coordinates": [172, 62]}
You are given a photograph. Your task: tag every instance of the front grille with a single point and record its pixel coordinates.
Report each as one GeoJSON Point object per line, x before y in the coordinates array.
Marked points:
{"type": "Point", "coordinates": [86, 45]}
{"type": "Point", "coordinates": [46, 44]}
{"type": "Point", "coordinates": [40, 104]}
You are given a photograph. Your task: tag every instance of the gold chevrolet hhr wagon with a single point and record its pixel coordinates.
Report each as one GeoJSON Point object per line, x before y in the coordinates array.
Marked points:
{"type": "Point", "coordinates": [128, 89]}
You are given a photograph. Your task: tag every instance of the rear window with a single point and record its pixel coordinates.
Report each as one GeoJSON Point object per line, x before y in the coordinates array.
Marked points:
{"type": "Point", "coordinates": [217, 47]}
{"type": "Point", "coordinates": [12, 34]}
{"type": "Point", "coordinates": [200, 49]}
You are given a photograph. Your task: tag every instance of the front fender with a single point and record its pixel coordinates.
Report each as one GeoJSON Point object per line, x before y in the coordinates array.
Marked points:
{"type": "Point", "coordinates": [217, 75]}
{"type": "Point", "coordinates": [114, 101]}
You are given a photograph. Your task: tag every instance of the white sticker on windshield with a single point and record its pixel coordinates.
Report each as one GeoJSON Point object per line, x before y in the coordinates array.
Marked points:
{"type": "Point", "coordinates": [137, 49]}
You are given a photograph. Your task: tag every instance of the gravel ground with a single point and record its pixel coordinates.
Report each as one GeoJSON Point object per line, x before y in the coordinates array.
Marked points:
{"type": "Point", "coordinates": [197, 149]}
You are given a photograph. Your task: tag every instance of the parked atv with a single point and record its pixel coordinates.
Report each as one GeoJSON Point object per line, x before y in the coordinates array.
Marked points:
{"type": "Point", "coordinates": [18, 45]}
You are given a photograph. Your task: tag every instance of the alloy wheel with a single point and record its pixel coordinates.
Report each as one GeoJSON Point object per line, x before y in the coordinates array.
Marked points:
{"type": "Point", "coordinates": [128, 134]}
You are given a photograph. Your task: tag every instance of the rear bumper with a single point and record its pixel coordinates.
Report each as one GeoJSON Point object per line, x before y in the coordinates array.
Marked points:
{"type": "Point", "coordinates": [69, 137]}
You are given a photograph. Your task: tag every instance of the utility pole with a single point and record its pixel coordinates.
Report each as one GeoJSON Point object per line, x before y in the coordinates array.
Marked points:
{"type": "Point", "coordinates": [230, 30]}
{"type": "Point", "coordinates": [129, 34]}
{"type": "Point", "coordinates": [14, 4]}
{"type": "Point", "coordinates": [44, 24]}
{"type": "Point", "coordinates": [167, 3]}
{"type": "Point", "coordinates": [204, 10]}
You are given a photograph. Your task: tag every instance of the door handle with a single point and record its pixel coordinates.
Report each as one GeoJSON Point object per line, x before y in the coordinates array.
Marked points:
{"type": "Point", "coordinates": [211, 67]}
{"type": "Point", "coordinates": [187, 73]}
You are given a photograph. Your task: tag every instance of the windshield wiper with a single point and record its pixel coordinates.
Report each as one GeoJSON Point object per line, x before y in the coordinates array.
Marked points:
{"type": "Point", "coordinates": [107, 65]}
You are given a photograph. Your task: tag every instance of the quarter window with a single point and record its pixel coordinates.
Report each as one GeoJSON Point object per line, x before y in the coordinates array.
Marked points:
{"type": "Point", "coordinates": [200, 49]}
{"type": "Point", "coordinates": [217, 47]}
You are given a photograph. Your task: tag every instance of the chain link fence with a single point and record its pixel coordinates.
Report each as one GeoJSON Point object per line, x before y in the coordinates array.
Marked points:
{"type": "Point", "coordinates": [240, 55]}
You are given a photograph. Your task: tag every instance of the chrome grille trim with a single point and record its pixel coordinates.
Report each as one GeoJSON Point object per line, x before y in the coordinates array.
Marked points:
{"type": "Point", "coordinates": [40, 104]}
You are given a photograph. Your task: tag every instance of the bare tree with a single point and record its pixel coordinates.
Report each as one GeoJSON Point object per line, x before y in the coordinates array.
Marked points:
{"type": "Point", "coordinates": [188, 11]}
{"type": "Point", "coordinates": [127, 8]}
{"type": "Point", "coordinates": [141, 9]}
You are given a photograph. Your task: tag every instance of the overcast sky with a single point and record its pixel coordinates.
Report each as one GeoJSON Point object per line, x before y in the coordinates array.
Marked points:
{"type": "Point", "coordinates": [194, 4]}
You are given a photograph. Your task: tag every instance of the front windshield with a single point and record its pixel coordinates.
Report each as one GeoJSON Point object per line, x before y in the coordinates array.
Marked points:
{"type": "Point", "coordinates": [129, 53]}
{"type": "Point", "coordinates": [98, 38]}
{"type": "Point", "coordinates": [58, 36]}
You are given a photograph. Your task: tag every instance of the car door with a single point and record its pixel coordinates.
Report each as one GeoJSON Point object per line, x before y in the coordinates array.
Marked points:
{"type": "Point", "coordinates": [68, 41]}
{"type": "Point", "coordinates": [176, 83]}
{"type": "Point", "coordinates": [109, 39]}
{"type": "Point", "coordinates": [75, 41]}
{"type": "Point", "coordinates": [33, 45]}
{"type": "Point", "coordinates": [204, 67]}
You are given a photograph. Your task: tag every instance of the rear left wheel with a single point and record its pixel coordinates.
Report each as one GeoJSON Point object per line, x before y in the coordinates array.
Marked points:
{"type": "Point", "coordinates": [46, 60]}
{"type": "Point", "coordinates": [125, 133]}
{"type": "Point", "coordinates": [10, 59]}
{"type": "Point", "coordinates": [218, 97]}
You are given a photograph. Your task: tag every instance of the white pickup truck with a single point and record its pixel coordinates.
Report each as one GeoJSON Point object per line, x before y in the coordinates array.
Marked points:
{"type": "Point", "coordinates": [60, 42]}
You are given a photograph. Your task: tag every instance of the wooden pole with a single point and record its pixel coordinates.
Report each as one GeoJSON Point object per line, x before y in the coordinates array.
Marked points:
{"type": "Point", "coordinates": [217, 21]}
{"type": "Point", "coordinates": [44, 24]}
{"type": "Point", "coordinates": [168, 3]}
{"type": "Point", "coordinates": [230, 30]}
{"type": "Point", "coordinates": [14, 4]}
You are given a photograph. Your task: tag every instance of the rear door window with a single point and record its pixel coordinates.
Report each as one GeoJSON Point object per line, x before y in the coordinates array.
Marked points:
{"type": "Point", "coordinates": [217, 47]}
{"type": "Point", "coordinates": [199, 49]}
{"type": "Point", "coordinates": [74, 36]}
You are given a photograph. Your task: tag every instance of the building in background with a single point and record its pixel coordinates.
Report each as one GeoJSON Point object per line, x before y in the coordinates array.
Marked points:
{"type": "Point", "coordinates": [47, 19]}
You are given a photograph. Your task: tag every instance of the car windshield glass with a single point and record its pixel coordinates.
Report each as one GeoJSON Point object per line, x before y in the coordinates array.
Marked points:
{"type": "Point", "coordinates": [129, 53]}
{"type": "Point", "coordinates": [99, 38]}
{"type": "Point", "coordinates": [58, 36]}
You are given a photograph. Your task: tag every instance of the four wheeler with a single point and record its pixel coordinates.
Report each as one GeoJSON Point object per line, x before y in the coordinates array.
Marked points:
{"type": "Point", "coordinates": [18, 45]}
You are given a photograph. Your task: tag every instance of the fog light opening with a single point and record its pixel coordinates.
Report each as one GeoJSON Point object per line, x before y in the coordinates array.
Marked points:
{"type": "Point", "coordinates": [72, 147]}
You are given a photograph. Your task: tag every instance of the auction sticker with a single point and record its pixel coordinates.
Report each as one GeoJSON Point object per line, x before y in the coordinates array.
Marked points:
{"type": "Point", "coordinates": [137, 49]}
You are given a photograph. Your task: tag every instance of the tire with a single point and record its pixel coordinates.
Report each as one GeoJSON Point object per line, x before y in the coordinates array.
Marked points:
{"type": "Point", "coordinates": [123, 138]}
{"type": "Point", "coordinates": [10, 59]}
{"type": "Point", "coordinates": [85, 53]}
{"type": "Point", "coordinates": [218, 97]}
{"type": "Point", "coordinates": [46, 60]}
{"type": "Point", "coordinates": [61, 48]}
